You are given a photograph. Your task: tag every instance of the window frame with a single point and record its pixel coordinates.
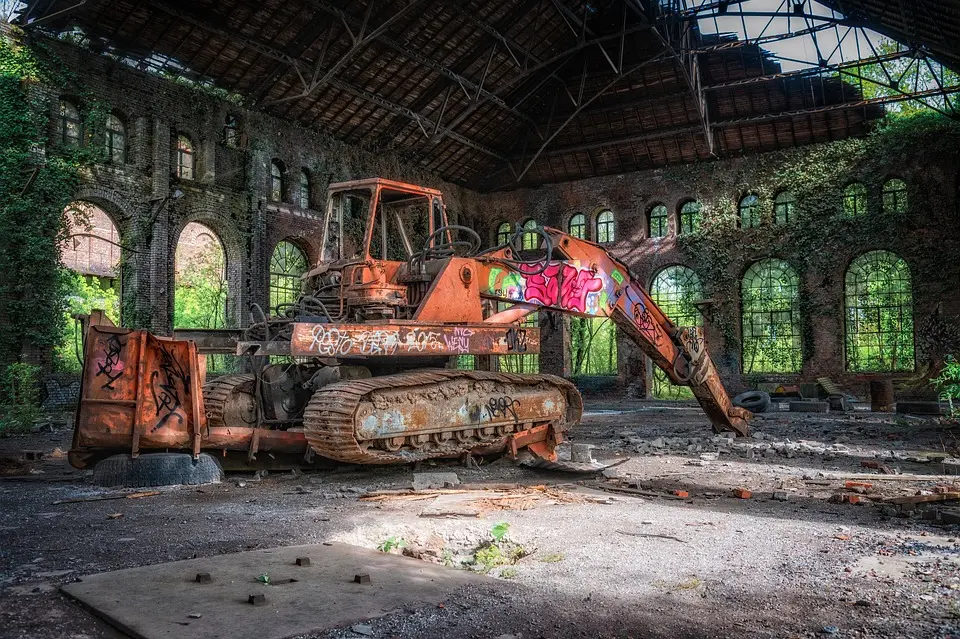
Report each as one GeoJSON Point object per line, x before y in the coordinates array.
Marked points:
{"type": "Point", "coordinates": [786, 206]}
{"type": "Point", "coordinates": [770, 273]}
{"type": "Point", "coordinates": [674, 298]}
{"type": "Point", "coordinates": [64, 120]}
{"type": "Point", "coordinates": [580, 224]}
{"type": "Point", "coordinates": [231, 131]}
{"type": "Point", "coordinates": [855, 203]}
{"type": "Point", "coordinates": [750, 210]}
{"type": "Point", "coordinates": [529, 241]}
{"type": "Point", "coordinates": [111, 135]}
{"type": "Point", "coordinates": [901, 196]}
{"type": "Point", "coordinates": [605, 228]}
{"type": "Point", "coordinates": [277, 180]}
{"type": "Point", "coordinates": [185, 150]}
{"type": "Point", "coordinates": [690, 211]}
{"type": "Point", "coordinates": [304, 192]}
{"type": "Point", "coordinates": [281, 278]}
{"type": "Point", "coordinates": [663, 221]}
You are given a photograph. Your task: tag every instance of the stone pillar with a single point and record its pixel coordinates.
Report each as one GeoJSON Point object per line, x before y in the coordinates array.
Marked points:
{"type": "Point", "coordinates": [552, 343]}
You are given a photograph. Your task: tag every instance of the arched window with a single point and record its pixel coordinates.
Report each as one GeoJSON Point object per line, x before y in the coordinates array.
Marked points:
{"type": "Point", "coordinates": [69, 125]}
{"type": "Point", "coordinates": [185, 165]}
{"type": "Point", "coordinates": [304, 192]}
{"type": "Point", "coordinates": [504, 233]}
{"type": "Point", "coordinates": [659, 222]}
{"type": "Point", "coordinates": [690, 217]}
{"type": "Point", "coordinates": [855, 200]}
{"type": "Point", "coordinates": [894, 196]}
{"type": "Point", "coordinates": [675, 289]}
{"type": "Point", "coordinates": [287, 264]}
{"type": "Point", "coordinates": [784, 208]}
{"type": "Point", "coordinates": [231, 131]}
{"type": "Point", "coordinates": [276, 181]}
{"type": "Point", "coordinates": [771, 318]}
{"type": "Point", "coordinates": [749, 212]}
{"type": "Point", "coordinates": [530, 240]}
{"type": "Point", "coordinates": [605, 227]}
{"type": "Point", "coordinates": [578, 226]}
{"type": "Point", "coordinates": [116, 140]}
{"type": "Point", "coordinates": [879, 313]}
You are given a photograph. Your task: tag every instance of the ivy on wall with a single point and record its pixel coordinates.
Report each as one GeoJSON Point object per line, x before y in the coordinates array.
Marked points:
{"type": "Point", "coordinates": [818, 242]}
{"type": "Point", "coordinates": [36, 184]}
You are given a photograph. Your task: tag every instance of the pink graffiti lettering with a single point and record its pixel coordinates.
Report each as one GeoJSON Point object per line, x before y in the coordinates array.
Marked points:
{"type": "Point", "coordinates": [560, 285]}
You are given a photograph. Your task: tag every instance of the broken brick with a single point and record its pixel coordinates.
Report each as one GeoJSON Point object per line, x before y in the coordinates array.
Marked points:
{"type": "Point", "coordinates": [742, 493]}
{"type": "Point", "coordinates": [681, 493]}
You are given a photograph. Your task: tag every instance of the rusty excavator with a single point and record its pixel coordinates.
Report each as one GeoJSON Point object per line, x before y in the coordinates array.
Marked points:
{"type": "Point", "coordinates": [358, 368]}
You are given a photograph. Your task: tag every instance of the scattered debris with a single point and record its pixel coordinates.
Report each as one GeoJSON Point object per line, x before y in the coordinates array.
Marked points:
{"type": "Point", "coordinates": [742, 493]}
{"type": "Point", "coordinates": [636, 534]}
{"type": "Point", "coordinates": [428, 481]}
{"type": "Point", "coordinates": [79, 500]}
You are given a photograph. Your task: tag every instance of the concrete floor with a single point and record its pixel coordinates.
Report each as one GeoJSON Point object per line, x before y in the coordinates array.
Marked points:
{"type": "Point", "coordinates": [709, 565]}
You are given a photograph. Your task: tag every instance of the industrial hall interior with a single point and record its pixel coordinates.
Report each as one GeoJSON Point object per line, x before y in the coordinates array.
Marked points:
{"type": "Point", "coordinates": [492, 319]}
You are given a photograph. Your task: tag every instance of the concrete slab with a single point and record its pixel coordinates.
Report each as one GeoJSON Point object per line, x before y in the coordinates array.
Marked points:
{"type": "Point", "coordinates": [164, 601]}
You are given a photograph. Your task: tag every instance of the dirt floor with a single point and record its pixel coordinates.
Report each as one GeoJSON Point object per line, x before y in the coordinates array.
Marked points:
{"type": "Point", "coordinates": [614, 555]}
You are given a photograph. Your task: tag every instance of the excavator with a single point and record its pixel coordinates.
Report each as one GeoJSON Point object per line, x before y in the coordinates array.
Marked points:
{"type": "Point", "coordinates": [358, 368]}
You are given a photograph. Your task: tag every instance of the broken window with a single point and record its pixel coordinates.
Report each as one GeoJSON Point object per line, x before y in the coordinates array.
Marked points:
{"type": "Point", "coordinates": [879, 313]}
{"type": "Point", "coordinates": [115, 139]}
{"type": "Point", "coordinates": [675, 289]}
{"type": "Point", "coordinates": [749, 212]}
{"type": "Point", "coordinates": [530, 240]}
{"type": "Point", "coordinates": [304, 195]}
{"type": "Point", "coordinates": [185, 166]}
{"type": "Point", "coordinates": [231, 131]}
{"type": "Point", "coordinates": [593, 346]}
{"type": "Point", "coordinates": [287, 264]}
{"type": "Point", "coordinates": [659, 221]}
{"type": "Point", "coordinates": [771, 318]}
{"type": "Point", "coordinates": [69, 126]}
{"type": "Point", "coordinates": [784, 208]}
{"type": "Point", "coordinates": [504, 232]}
{"type": "Point", "coordinates": [895, 196]}
{"type": "Point", "coordinates": [578, 226]}
{"type": "Point", "coordinates": [525, 363]}
{"type": "Point", "coordinates": [855, 200]}
{"type": "Point", "coordinates": [276, 181]}
{"type": "Point", "coordinates": [690, 217]}
{"type": "Point", "coordinates": [605, 227]}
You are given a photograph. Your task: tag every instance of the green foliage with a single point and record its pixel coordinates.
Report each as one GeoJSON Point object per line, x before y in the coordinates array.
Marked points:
{"type": "Point", "coordinates": [499, 531]}
{"type": "Point", "coordinates": [948, 384]}
{"type": "Point", "coordinates": [391, 543]}
{"type": "Point", "coordinates": [19, 398]}
{"type": "Point", "coordinates": [264, 578]}
{"type": "Point", "coordinates": [593, 346]}
{"type": "Point", "coordinates": [36, 184]}
{"type": "Point", "coordinates": [83, 295]}
{"type": "Point", "coordinates": [552, 558]}
{"type": "Point", "coordinates": [491, 555]}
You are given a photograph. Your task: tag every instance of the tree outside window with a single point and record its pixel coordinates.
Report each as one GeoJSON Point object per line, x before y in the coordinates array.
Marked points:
{"type": "Point", "coordinates": [895, 196]}
{"type": "Point", "coordinates": [659, 221]}
{"type": "Point", "coordinates": [879, 314]}
{"type": "Point", "coordinates": [784, 208]}
{"type": "Point", "coordinates": [771, 318]}
{"type": "Point", "coordinates": [749, 212]}
{"type": "Point", "coordinates": [690, 217]}
{"type": "Point", "coordinates": [855, 200]}
{"type": "Point", "coordinates": [578, 226]}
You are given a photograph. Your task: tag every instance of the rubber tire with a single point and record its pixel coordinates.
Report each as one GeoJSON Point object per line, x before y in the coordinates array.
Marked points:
{"type": "Point", "coordinates": [157, 469]}
{"type": "Point", "coordinates": [753, 401]}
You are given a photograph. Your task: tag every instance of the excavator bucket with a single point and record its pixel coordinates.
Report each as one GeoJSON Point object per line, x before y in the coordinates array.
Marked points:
{"type": "Point", "coordinates": [138, 391]}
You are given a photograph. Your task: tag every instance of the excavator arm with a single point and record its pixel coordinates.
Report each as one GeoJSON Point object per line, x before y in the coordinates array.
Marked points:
{"type": "Point", "coordinates": [589, 282]}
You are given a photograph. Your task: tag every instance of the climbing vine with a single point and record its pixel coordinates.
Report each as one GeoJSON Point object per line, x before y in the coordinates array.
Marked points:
{"type": "Point", "coordinates": [818, 241]}
{"type": "Point", "coordinates": [36, 184]}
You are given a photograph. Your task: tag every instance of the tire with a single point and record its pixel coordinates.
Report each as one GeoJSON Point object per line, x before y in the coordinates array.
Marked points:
{"type": "Point", "coordinates": [753, 401]}
{"type": "Point", "coordinates": [157, 469]}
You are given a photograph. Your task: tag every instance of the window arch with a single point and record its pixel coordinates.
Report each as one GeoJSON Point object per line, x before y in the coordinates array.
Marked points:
{"type": "Point", "coordinates": [577, 226]}
{"type": "Point", "coordinates": [658, 221]}
{"type": "Point", "coordinates": [879, 313]}
{"type": "Point", "coordinates": [854, 200]}
{"type": "Point", "coordinates": [606, 228]}
{"type": "Point", "coordinates": [784, 208]}
{"type": "Point", "coordinates": [504, 233]}
{"type": "Point", "coordinates": [691, 215]}
{"type": "Point", "coordinates": [530, 241]}
{"type": "Point", "coordinates": [287, 264]}
{"type": "Point", "coordinates": [69, 125]}
{"type": "Point", "coordinates": [276, 180]}
{"type": "Point", "coordinates": [771, 318]}
{"type": "Point", "coordinates": [749, 211]}
{"type": "Point", "coordinates": [231, 131]}
{"type": "Point", "coordinates": [185, 158]}
{"type": "Point", "coordinates": [894, 196]}
{"type": "Point", "coordinates": [303, 192]}
{"type": "Point", "coordinates": [675, 289]}
{"type": "Point", "coordinates": [115, 139]}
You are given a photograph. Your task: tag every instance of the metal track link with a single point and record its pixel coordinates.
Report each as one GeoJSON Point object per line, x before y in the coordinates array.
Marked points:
{"type": "Point", "coordinates": [216, 395]}
{"type": "Point", "coordinates": [330, 418]}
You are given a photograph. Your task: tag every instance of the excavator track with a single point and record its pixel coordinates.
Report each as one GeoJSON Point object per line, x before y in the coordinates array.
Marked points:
{"type": "Point", "coordinates": [433, 413]}
{"type": "Point", "coordinates": [229, 401]}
